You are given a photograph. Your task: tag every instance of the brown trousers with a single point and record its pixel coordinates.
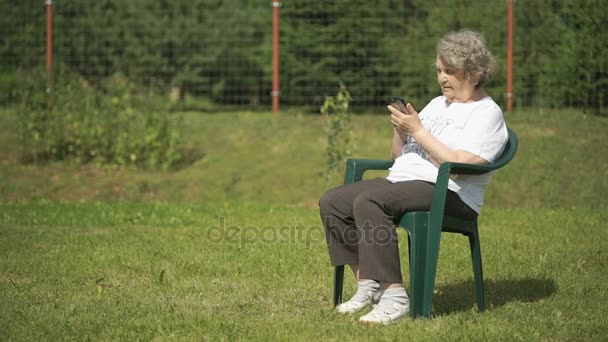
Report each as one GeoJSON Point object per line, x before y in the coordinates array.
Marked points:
{"type": "Point", "coordinates": [360, 222]}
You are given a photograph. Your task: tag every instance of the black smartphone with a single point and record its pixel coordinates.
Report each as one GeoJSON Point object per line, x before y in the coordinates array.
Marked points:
{"type": "Point", "coordinates": [398, 102]}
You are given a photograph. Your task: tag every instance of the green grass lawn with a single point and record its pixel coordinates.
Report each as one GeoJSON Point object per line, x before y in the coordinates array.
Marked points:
{"type": "Point", "coordinates": [231, 247]}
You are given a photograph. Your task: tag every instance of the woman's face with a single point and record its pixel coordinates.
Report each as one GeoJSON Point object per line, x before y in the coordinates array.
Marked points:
{"type": "Point", "coordinates": [455, 84]}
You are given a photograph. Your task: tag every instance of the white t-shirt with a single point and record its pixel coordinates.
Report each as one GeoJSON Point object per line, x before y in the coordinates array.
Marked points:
{"type": "Point", "coordinates": [477, 127]}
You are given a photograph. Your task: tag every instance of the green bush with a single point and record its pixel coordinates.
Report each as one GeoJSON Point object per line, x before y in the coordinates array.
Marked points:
{"type": "Point", "coordinates": [111, 124]}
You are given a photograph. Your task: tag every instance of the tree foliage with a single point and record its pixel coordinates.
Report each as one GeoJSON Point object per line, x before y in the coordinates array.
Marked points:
{"type": "Point", "coordinates": [221, 49]}
{"type": "Point", "coordinates": [354, 42]}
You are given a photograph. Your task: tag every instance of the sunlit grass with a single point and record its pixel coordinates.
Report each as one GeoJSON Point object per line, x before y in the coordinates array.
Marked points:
{"type": "Point", "coordinates": [232, 248]}
{"type": "Point", "coordinates": [145, 271]}
{"type": "Point", "coordinates": [264, 157]}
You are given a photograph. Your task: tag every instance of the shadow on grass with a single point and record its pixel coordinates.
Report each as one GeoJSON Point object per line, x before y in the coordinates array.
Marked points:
{"type": "Point", "coordinates": [458, 297]}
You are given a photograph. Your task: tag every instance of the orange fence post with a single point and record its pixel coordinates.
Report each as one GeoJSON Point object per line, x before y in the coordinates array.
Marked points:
{"type": "Point", "coordinates": [510, 58]}
{"type": "Point", "coordinates": [275, 56]}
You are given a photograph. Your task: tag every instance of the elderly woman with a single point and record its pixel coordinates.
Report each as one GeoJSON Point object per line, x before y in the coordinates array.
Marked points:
{"type": "Point", "coordinates": [463, 125]}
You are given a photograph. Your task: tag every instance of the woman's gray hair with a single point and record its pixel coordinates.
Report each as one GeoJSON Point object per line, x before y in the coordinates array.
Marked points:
{"type": "Point", "coordinates": [467, 50]}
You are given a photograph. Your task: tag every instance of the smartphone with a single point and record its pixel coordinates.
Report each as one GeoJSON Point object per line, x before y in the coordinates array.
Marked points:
{"type": "Point", "coordinates": [398, 102]}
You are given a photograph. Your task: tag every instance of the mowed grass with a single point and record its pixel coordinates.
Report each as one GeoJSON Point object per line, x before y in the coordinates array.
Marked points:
{"type": "Point", "coordinates": [266, 158]}
{"type": "Point", "coordinates": [164, 271]}
{"type": "Point", "coordinates": [232, 248]}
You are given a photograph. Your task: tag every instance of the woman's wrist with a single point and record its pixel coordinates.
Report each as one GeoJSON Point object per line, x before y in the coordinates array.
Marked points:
{"type": "Point", "coordinates": [400, 133]}
{"type": "Point", "coordinates": [419, 133]}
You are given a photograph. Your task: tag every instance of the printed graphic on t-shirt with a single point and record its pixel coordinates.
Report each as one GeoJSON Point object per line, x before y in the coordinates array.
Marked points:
{"type": "Point", "coordinates": [435, 126]}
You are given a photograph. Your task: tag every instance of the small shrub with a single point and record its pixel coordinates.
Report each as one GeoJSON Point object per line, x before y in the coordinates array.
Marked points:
{"type": "Point", "coordinates": [338, 129]}
{"type": "Point", "coordinates": [111, 123]}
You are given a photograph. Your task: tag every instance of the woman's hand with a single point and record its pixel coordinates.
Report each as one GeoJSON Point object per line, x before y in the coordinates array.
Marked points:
{"type": "Point", "coordinates": [409, 123]}
{"type": "Point", "coordinates": [405, 123]}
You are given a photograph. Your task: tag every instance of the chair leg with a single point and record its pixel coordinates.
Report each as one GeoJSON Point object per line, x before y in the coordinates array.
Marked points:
{"type": "Point", "coordinates": [416, 259]}
{"type": "Point", "coordinates": [411, 253]}
{"type": "Point", "coordinates": [416, 226]}
{"type": "Point", "coordinates": [477, 270]}
{"type": "Point", "coordinates": [338, 284]}
{"type": "Point", "coordinates": [427, 271]}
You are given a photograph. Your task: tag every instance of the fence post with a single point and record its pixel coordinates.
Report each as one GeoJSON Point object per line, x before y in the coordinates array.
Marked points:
{"type": "Point", "coordinates": [49, 49]}
{"type": "Point", "coordinates": [275, 56]}
{"type": "Point", "coordinates": [510, 57]}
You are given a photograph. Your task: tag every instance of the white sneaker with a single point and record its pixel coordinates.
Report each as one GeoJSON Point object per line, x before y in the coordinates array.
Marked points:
{"type": "Point", "coordinates": [360, 300]}
{"type": "Point", "coordinates": [386, 312]}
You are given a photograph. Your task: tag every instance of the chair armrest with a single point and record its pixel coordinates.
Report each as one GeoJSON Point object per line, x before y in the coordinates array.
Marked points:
{"type": "Point", "coordinates": [468, 169]}
{"type": "Point", "coordinates": [443, 177]}
{"type": "Point", "coordinates": [441, 185]}
{"type": "Point", "coordinates": [355, 167]}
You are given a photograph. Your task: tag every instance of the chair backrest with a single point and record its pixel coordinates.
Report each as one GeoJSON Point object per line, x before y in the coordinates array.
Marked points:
{"type": "Point", "coordinates": [509, 151]}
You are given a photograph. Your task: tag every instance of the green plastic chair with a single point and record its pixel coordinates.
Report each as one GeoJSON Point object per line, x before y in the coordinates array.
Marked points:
{"type": "Point", "coordinates": [424, 230]}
